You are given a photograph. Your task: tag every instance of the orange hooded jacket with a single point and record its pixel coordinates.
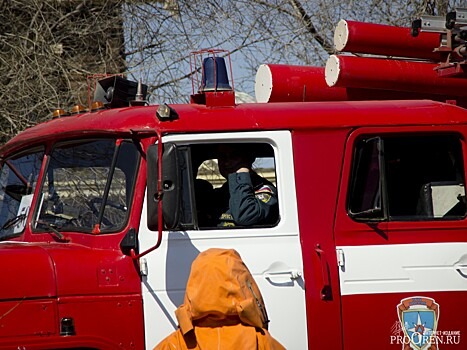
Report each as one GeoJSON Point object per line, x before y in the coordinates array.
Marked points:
{"type": "Point", "coordinates": [223, 307]}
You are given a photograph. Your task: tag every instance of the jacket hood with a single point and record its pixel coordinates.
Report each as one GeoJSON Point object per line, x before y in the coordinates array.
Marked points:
{"type": "Point", "coordinates": [221, 290]}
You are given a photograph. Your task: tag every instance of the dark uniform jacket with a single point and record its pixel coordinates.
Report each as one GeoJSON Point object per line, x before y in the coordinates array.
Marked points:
{"type": "Point", "coordinates": [247, 199]}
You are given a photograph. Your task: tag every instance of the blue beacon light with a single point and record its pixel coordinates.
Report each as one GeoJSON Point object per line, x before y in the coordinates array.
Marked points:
{"type": "Point", "coordinates": [215, 76]}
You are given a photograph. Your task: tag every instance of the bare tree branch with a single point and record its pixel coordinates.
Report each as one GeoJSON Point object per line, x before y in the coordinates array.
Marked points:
{"type": "Point", "coordinates": [48, 48]}
{"type": "Point", "coordinates": [303, 16]}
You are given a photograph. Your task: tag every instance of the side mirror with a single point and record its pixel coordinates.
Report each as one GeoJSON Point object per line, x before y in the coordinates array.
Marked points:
{"type": "Point", "coordinates": [170, 189]}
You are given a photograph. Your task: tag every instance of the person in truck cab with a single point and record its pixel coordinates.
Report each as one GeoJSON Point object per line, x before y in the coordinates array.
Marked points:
{"type": "Point", "coordinates": [246, 198]}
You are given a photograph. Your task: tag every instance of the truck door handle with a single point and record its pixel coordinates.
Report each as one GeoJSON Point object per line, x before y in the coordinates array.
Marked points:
{"type": "Point", "coordinates": [293, 274]}
{"type": "Point", "coordinates": [279, 273]}
{"type": "Point", "coordinates": [461, 269]}
{"type": "Point", "coordinates": [326, 292]}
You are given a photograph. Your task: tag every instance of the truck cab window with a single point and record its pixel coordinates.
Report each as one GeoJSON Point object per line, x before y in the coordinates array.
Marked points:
{"type": "Point", "coordinates": [18, 180]}
{"type": "Point", "coordinates": [88, 186]}
{"type": "Point", "coordinates": [234, 185]}
{"type": "Point", "coordinates": [421, 177]}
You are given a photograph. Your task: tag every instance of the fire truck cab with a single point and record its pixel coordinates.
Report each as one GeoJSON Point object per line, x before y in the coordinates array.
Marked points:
{"type": "Point", "coordinates": [102, 212]}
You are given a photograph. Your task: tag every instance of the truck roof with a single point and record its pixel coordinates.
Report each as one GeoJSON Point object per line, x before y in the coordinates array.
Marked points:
{"type": "Point", "coordinates": [196, 118]}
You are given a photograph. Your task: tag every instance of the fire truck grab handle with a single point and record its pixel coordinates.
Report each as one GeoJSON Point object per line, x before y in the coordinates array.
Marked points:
{"type": "Point", "coordinates": [326, 292]}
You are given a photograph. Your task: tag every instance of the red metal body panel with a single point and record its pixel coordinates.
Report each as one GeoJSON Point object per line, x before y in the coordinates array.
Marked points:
{"type": "Point", "coordinates": [379, 39]}
{"type": "Point", "coordinates": [142, 122]}
{"type": "Point", "coordinates": [316, 219]}
{"type": "Point", "coordinates": [98, 288]}
{"type": "Point", "coordinates": [113, 322]}
{"type": "Point", "coordinates": [75, 342]}
{"type": "Point", "coordinates": [35, 267]}
{"type": "Point", "coordinates": [114, 122]}
{"type": "Point", "coordinates": [25, 317]}
{"type": "Point", "coordinates": [117, 319]}
{"type": "Point", "coordinates": [359, 330]}
{"type": "Point", "coordinates": [101, 271]}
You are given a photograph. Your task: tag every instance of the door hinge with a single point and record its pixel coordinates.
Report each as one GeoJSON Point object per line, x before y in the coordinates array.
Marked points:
{"type": "Point", "coordinates": [340, 257]}
{"type": "Point", "coordinates": [143, 266]}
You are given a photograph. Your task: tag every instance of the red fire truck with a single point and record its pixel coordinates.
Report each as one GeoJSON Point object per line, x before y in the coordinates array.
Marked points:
{"type": "Point", "coordinates": [101, 214]}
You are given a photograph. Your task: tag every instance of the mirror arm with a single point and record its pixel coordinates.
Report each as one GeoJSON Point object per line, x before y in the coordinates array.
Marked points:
{"type": "Point", "coordinates": [159, 202]}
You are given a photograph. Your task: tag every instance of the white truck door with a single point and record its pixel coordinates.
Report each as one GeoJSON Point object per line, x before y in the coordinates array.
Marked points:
{"type": "Point", "coordinates": [272, 254]}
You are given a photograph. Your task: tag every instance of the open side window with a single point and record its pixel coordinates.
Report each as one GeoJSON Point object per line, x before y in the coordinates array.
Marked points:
{"type": "Point", "coordinates": [194, 193]}
{"type": "Point", "coordinates": [212, 193]}
{"type": "Point", "coordinates": [413, 177]}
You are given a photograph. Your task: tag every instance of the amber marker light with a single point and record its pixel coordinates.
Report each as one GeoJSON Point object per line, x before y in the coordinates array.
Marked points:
{"type": "Point", "coordinates": [77, 109]}
{"type": "Point", "coordinates": [97, 105]}
{"type": "Point", "coordinates": [57, 113]}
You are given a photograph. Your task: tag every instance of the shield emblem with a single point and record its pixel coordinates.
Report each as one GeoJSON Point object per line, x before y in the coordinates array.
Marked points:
{"type": "Point", "coordinates": [418, 317]}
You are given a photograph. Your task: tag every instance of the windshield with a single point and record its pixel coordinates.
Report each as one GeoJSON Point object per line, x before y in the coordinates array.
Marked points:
{"type": "Point", "coordinates": [18, 179]}
{"type": "Point", "coordinates": [88, 186]}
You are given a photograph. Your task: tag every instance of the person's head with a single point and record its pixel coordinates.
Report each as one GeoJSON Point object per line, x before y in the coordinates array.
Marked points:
{"type": "Point", "coordinates": [232, 156]}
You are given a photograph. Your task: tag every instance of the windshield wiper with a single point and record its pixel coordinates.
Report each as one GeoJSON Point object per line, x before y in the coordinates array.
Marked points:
{"type": "Point", "coordinates": [57, 234]}
{"type": "Point", "coordinates": [13, 221]}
